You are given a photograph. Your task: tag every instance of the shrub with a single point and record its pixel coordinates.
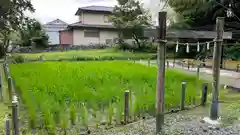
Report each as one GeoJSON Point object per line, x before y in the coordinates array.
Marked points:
{"type": "Point", "coordinates": [18, 59]}
{"type": "Point", "coordinates": [124, 46]}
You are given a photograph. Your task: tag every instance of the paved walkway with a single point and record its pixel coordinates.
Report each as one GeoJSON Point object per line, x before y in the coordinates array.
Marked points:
{"type": "Point", "coordinates": [229, 78]}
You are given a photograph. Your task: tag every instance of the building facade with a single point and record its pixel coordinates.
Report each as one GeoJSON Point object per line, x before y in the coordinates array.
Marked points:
{"type": "Point", "coordinates": [52, 30]}
{"type": "Point", "coordinates": [93, 27]}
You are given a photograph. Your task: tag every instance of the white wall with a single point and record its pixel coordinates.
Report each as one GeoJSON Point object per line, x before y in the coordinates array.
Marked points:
{"type": "Point", "coordinates": [79, 39]}
{"type": "Point", "coordinates": [52, 30]}
{"type": "Point", "coordinates": [94, 18]}
{"type": "Point", "coordinates": [53, 37]}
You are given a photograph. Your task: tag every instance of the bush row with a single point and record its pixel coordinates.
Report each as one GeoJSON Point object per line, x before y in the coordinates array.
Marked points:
{"type": "Point", "coordinates": [21, 59]}
{"type": "Point", "coordinates": [60, 48]}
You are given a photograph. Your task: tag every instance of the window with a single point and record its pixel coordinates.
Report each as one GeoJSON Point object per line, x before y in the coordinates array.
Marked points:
{"type": "Point", "coordinates": [91, 33]}
{"type": "Point", "coordinates": [106, 20]}
{"type": "Point", "coordinates": [108, 41]}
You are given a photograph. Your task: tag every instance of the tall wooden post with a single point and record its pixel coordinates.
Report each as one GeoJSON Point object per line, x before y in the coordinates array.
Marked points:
{"type": "Point", "coordinates": [161, 53]}
{"type": "Point", "coordinates": [216, 67]}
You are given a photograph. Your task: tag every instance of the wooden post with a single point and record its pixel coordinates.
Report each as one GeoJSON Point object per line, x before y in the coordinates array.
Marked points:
{"type": "Point", "coordinates": [126, 106]}
{"type": "Point", "coordinates": [204, 94]}
{"type": "Point", "coordinates": [1, 88]}
{"type": "Point", "coordinates": [197, 91]}
{"type": "Point", "coordinates": [238, 67]}
{"type": "Point", "coordinates": [7, 127]}
{"type": "Point", "coordinates": [167, 64]}
{"type": "Point", "coordinates": [174, 59]}
{"type": "Point", "coordinates": [6, 71]}
{"type": "Point", "coordinates": [15, 116]}
{"type": "Point", "coordinates": [198, 70]}
{"type": "Point", "coordinates": [10, 88]}
{"type": "Point", "coordinates": [41, 58]}
{"type": "Point", "coordinates": [161, 71]}
{"type": "Point", "coordinates": [149, 64]}
{"type": "Point", "coordinates": [7, 74]}
{"type": "Point", "coordinates": [216, 67]}
{"type": "Point", "coordinates": [183, 92]}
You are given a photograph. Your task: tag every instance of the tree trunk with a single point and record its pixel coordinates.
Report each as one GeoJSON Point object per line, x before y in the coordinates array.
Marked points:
{"type": "Point", "coordinates": [137, 41]}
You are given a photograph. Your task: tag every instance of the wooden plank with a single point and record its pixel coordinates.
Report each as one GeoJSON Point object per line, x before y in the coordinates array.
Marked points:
{"type": "Point", "coordinates": [186, 34]}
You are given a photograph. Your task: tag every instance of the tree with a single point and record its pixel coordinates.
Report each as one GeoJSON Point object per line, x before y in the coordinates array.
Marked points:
{"type": "Point", "coordinates": [130, 15]}
{"type": "Point", "coordinates": [31, 32]}
{"type": "Point", "coordinates": [202, 14]}
{"type": "Point", "coordinates": [11, 17]}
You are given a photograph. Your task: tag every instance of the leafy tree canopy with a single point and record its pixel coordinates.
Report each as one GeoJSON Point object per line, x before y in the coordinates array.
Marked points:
{"type": "Point", "coordinates": [11, 17]}
{"type": "Point", "coordinates": [129, 14]}
{"type": "Point", "coordinates": [12, 12]}
{"type": "Point", "coordinates": [31, 32]}
{"type": "Point", "coordinates": [202, 14]}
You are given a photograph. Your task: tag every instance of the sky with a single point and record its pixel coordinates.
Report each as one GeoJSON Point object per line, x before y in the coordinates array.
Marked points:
{"type": "Point", "coordinates": [49, 10]}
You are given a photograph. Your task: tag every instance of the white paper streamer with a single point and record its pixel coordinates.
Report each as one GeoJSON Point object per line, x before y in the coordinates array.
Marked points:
{"type": "Point", "coordinates": [187, 48]}
{"type": "Point", "coordinates": [177, 47]}
{"type": "Point", "coordinates": [198, 47]}
{"type": "Point", "coordinates": [208, 44]}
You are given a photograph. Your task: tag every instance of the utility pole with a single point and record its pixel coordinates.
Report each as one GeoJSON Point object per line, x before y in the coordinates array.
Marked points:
{"type": "Point", "coordinates": [216, 67]}
{"type": "Point", "coordinates": [161, 54]}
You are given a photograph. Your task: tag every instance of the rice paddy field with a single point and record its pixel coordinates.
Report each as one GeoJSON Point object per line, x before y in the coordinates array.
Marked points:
{"type": "Point", "coordinates": [87, 93]}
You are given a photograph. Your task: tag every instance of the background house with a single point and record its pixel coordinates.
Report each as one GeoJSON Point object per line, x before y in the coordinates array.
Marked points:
{"type": "Point", "coordinates": [92, 28]}
{"type": "Point", "coordinates": [52, 30]}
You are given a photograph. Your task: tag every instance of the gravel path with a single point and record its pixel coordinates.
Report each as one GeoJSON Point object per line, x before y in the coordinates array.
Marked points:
{"type": "Point", "coordinates": [184, 123]}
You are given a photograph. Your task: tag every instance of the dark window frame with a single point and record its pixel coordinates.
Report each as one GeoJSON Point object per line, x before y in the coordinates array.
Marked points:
{"type": "Point", "coordinates": [91, 33]}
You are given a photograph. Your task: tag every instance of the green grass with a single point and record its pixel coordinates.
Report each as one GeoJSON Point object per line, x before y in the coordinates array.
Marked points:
{"type": "Point", "coordinates": [87, 54]}
{"type": "Point", "coordinates": [47, 86]}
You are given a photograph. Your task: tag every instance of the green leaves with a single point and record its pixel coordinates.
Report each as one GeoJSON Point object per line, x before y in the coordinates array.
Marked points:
{"type": "Point", "coordinates": [131, 15]}
{"type": "Point", "coordinates": [31, 32]}
{"type": "Point", "coordinates": [12, 13]}
{"type": "Point", "coordinates": [200, 13]}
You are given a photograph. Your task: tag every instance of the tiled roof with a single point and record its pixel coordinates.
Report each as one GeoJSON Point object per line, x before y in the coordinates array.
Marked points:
{"type": "Point", "coordinates": [95, 8]}
{"type": "Point", "coordinates": [80, 25]}
{"type": "Point", "coordinates": [56, 21]}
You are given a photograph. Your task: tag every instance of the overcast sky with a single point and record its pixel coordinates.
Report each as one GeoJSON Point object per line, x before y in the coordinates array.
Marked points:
{"type": "Point", "coordinates": [48, 10]}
